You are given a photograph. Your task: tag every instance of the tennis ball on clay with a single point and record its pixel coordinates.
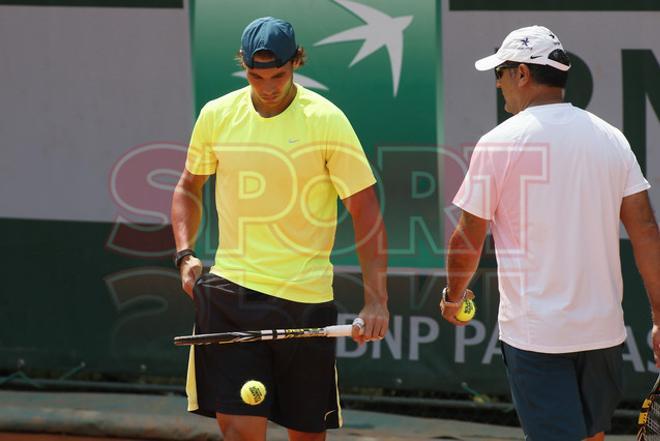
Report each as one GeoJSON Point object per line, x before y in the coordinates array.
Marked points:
{"type": "Point", "coordinates": [253, 392]}
{"type": "Point", "coordinates": [467, 311]}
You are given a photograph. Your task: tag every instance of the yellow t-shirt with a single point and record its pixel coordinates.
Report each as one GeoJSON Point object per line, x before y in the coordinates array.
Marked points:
{"type": "Point", "coordinates": [277, 182]}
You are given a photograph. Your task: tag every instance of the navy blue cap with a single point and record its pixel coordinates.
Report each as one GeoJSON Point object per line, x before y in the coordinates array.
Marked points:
{"type": "Point", "coordinates": [268, 34]}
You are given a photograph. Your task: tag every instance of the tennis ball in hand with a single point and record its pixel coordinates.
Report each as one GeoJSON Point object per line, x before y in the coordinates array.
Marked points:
{"type": "Point", "coordinates": [467, 311]}
{"type": "Point", "coordinates": [253, 392]}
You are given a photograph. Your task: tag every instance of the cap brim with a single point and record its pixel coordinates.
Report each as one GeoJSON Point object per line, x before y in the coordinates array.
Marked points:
{"type": "Point", "coordinates": [488, 63]}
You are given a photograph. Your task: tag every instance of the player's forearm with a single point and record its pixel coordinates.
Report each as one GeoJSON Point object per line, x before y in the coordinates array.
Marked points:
{"type": "Point", "coordinates": [463, 258]}
{"type": "Point", "coordinates": [186, 216]}
{"type": "Point", "coordinates": [371, 240]}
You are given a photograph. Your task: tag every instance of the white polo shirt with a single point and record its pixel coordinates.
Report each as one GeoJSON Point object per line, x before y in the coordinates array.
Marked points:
{"type": "Point", "coordinates": [551, 180]}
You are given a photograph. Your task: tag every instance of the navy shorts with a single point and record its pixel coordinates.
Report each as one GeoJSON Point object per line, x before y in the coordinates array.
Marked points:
{"type": "Point", "coordinates": [299, 374]}
{"type": "Point", "coordinates": [564, 397]}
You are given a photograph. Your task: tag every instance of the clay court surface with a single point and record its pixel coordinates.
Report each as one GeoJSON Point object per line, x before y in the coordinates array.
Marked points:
{"type": "Point", "coordinates": [51, 416]}
{"type": "Point", "coordinates": [47, 437]}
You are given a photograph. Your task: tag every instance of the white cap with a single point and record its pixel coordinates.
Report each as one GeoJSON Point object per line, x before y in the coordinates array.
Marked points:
{"type": "Point", "coordinates": [530, 45]}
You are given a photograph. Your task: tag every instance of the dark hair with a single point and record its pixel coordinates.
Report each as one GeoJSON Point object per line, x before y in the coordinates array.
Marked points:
{"type": "Point", "coordinates": [300, 56]}
{"type": "Point", "coordinates": [548, 75]}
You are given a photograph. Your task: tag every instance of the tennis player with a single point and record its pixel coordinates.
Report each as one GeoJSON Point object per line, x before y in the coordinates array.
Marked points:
{"type": "Point", "coordinates": [281, 155]}
{"type": "Point", "coordinates": [553, 181]}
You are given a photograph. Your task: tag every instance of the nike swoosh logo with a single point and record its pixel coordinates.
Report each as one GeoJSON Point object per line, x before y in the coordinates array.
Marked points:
{"type": "Point", "coordinates": [291, 140]}
{"type": "Point", "coordinates": [328, 413]}
{"type": "Point", "coordinates": [534, 56]}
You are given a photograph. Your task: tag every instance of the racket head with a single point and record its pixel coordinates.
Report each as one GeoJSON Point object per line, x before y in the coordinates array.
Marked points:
{"type": "Point", "coordinates": [648, 422]}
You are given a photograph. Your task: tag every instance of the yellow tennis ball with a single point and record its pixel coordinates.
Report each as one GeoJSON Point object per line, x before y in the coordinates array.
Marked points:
{"type": "Point", "coordinates": [253, 392]}
{"type": "Point", "coordinates": [467, 311]}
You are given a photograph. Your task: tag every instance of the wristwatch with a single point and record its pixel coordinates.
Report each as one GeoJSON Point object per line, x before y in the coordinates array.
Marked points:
{"type": "Point", "coordinates": [449, 302]}
{"type": "Point", "coordinates": [180, 255]}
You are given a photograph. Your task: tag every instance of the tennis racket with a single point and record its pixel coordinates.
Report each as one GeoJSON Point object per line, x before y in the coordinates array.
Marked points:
{"type": "Point", "coordinates": [648, 423]}
{"type": "Point", "coordinates": [263, 335]}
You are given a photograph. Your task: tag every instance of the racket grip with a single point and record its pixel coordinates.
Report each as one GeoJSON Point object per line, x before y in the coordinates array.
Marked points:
{"type": "Point", "coordinates": [339, 330]}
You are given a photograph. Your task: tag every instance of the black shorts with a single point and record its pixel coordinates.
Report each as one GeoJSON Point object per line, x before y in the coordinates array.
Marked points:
{"type": "Point", "coordinates": [564, 397]}
{"type": "Point", "coordinates": [299, 374]}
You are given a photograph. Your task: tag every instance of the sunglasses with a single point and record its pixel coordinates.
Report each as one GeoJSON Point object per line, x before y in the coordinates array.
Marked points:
{"type": "Point", "coordinates": [499, 70]}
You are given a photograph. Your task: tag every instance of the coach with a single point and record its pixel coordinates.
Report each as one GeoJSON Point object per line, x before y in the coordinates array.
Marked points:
{"type": "Point", "coordinates": [553, 181]}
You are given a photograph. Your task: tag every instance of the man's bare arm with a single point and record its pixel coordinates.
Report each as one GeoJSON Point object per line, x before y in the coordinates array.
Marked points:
{"type": "Point", "coordinates": [371, 242]}
{"type": "Point", "coordinates": [642, 227]}
{"type": "Point", "coordinates": [186, 218]}
{"type": "Point", "coordinates": [463, 256]}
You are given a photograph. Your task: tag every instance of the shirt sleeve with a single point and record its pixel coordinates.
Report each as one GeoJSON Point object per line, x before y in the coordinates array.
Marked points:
{"type": "Point", "coordinates": [346, 162]}
{"type": "Point", "coordinates": [201, 159]}
{"type": "Point", "coordinates": [635, 181]}
{"type": "Point", "coordinates": [479, 193]}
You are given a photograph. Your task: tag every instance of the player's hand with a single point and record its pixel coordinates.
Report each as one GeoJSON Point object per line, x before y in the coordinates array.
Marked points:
{"type": "Point", "coordinates": [376, 320]}
{"type": "Point", "coordinates": [655, 338]}
{"type": "Point", "coordinates": [449, 311]}
{"type": "Point", "coordinates": [191, 268]}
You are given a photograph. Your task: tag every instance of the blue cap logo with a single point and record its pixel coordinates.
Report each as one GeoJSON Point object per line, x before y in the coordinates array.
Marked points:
{"type": "Point", "coordinates": [268, 34]}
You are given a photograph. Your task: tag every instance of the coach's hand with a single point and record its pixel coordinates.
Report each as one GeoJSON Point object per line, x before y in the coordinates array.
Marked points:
{"type": "Point", "coordinates": [655, 338]}
{"type": "Point", "coordinates": [191, 269]}
{"type": "Point", "coordinates": [376, 320]}
{"type": "Point", "coordinates": [449, 310]}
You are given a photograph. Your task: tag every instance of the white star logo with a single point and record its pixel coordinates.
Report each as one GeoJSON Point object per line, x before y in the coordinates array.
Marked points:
{"type": "Point", "coordinates": [380, 30]}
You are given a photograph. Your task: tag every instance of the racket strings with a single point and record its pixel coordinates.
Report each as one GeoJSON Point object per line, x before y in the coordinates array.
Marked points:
{"type": "Point", "coordinates": [653, 422]}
